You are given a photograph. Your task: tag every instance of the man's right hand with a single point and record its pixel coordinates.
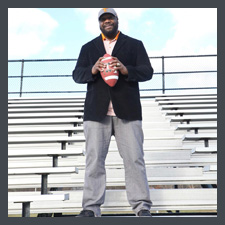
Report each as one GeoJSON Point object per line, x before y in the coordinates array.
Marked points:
{"type": "Point", "coordinates": [98, 67]}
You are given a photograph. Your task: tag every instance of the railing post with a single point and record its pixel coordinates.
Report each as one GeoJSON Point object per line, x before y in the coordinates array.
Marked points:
{"type": "Point", "coordinates": [26, 209]}
{"type": "Point", "coordinates": [21, 79]}
{"type": "Point", "coordinates": [163, 75]}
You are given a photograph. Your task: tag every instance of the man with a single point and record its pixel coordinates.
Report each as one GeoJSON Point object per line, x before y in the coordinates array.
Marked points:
{"type": "Point", "coordinates": [113, 111]}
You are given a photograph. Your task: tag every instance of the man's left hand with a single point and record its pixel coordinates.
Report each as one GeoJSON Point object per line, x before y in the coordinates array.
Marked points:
{"type": "Point", "coordinates": [117, 65]}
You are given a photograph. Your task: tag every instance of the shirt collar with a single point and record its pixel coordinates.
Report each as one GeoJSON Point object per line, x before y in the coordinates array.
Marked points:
{"type": "Point", "coordinates": [104, 38]}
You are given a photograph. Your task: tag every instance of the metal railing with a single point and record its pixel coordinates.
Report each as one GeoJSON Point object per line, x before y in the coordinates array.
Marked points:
{"type": "Point", "coordinates": [54, 76]}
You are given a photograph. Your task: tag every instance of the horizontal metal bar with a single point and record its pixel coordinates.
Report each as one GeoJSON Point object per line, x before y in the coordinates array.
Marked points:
{"type": "Point", "coordinates": [40, 60]}
{"type": "Point", "coordinates": [39, 92]}
{"type": "Point", "coordinates": [159, 73]}
{"type": "Point", "coordinates": [171, 89]}
{"type": "Point", "coordinates": [152, 57]}
{"type": "Point", "coordinates": [207, 71]}
{"type": "Point", "coordinates": [182, 56]}
{"type": "Point", "coordinates": [34, 76]}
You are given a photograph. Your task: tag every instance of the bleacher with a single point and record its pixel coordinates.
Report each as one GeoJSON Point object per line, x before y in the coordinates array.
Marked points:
{"type": "Point", "coordinates": [46, 157]}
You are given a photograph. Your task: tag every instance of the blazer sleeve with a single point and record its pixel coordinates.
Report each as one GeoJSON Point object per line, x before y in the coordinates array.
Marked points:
{"type": "Point", "coordinates": [82, 72]}
{"type": "Point", "coordinates": [142, 70]}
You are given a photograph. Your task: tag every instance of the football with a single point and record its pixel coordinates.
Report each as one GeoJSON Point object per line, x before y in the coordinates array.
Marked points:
{"type": "Point", "coordinates": [108, 74]}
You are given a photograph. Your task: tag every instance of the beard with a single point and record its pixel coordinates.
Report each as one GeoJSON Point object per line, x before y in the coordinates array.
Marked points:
{"type": "Point", "coordinates": [110, 33]}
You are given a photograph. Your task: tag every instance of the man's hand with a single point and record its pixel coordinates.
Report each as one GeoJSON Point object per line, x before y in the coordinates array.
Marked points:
{"type": "Point", "coordinates": [117, 65]}
{"type": "Point", "coordinates": [98, 66]}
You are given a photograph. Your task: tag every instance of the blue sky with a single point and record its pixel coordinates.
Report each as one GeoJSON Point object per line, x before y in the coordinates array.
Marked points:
{"type": "Point", "coordinates": [36, 33]}
{"type": "Point", "coordinates": [59, 33]}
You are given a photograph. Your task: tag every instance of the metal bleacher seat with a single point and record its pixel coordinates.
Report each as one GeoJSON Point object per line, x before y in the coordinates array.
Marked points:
{"type": "Point", "coordinates": [116, 200]}
{"type": "Point", "coordinates": [190, 112]}
{"type": "Point", "coordinates": [197, 127]}
{"type": "Point", "coordinates": [38, 140]}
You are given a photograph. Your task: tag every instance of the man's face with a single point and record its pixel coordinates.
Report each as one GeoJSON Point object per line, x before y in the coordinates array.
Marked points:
{"type": "Point", "coordinates": [108, 25]}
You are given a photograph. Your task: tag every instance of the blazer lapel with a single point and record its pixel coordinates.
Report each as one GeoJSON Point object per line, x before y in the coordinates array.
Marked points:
{"type": "Point", "coordinates": [121, 40]}
{"type": "Point", "coordinates": [99, 45]}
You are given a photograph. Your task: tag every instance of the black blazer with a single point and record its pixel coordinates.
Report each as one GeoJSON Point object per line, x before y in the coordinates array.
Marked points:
{"type": "Point", "coordinates": [125, 94]}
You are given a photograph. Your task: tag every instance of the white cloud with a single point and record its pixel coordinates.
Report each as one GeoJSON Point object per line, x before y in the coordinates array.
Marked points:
{"type": "Point", "coordinates": [149, 24]}
{"type": "Point", "coordinates": [195, 29]}
{"type": "Point", "coordinates": [91, 21]}
{"type": "Point", "coordinates": [56, 52]}
{"type": "Point", "coordinates": [125, 15]}
{"type": "Point", "coordinates": [197, 80]}
{"type": "Point", "coordinates": [28, 31]}
{"type": "Point", "coordinates": [58, 49]}
{"type": "Point", "coordinates": [195, 32]}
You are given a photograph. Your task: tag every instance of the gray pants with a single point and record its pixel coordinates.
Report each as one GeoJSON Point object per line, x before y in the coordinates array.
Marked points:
{"type": "Point", "coordinates": [129, 139]}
